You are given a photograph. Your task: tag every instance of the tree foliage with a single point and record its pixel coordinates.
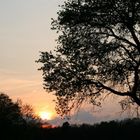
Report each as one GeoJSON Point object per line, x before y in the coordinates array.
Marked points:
{"type": "Point", "coordinates": [29, 115]}
{"type": "Point", "coordinates": [10, 113]}
{"type": "Point", "coordinates": [98, 53]}
{"type": "Point", "coordinates": [17, 113]}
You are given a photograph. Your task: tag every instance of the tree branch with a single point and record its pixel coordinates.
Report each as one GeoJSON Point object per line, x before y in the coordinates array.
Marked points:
{"type": "Point", "coordinates": [100, 85]}
{"type": "Point", "coordinates": [121, 38]}
{"type": "Point", "coordinates": [135, 38]}
{"type": "Point", "coordinates": [136, 99]}
{"type": "Point", "coordinates": [136, 80]}
{"type": "Point", "coordinates": [114, 91]}
{"type": "Point", "coordinates": [130, 55]}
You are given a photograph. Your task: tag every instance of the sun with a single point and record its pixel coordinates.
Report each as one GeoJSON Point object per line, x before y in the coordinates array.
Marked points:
{"type": "Point", "coordinates": [45, 115]}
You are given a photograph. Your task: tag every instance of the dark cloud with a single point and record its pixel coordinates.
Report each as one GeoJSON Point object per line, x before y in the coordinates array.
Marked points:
{"type": "Point", "coordinates": [86, 116]}
{"type": "Point", "coordinates": [83, 116]}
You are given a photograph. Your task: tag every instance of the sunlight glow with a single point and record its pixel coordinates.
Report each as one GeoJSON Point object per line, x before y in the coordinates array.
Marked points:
{"type": "Point", "coordinates": [45, 115]}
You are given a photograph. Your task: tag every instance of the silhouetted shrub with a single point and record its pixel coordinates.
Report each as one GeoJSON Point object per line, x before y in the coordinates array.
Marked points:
{"type": "Point", "coordinates": [10, 113]}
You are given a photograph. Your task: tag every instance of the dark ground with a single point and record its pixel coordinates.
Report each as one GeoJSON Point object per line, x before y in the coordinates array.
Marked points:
{"type": "Point", "coordinates": [113, 130]}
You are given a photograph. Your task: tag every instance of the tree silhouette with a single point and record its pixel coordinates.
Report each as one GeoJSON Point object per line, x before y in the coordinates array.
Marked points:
{"type": "Point", "coordinates": [10, 113]}
{"type": "Point", "coordinates": [29, 115]}
{"type": "Point", "coordinates": [98, 53]}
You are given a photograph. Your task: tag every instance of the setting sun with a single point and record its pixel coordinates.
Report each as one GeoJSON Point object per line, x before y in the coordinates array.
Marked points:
{"type": "Point", "coordinates": [45, 115]}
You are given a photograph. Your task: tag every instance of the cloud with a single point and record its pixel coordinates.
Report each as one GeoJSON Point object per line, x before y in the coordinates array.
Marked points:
{"type": "Point", "coordinates": [83, 116]}
{"type": "Point", "coordinates": [89, 116]}
{"type": "Point", "coordinates": [80, 117]}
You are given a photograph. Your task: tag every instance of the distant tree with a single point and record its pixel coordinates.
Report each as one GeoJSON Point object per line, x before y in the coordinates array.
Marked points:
{"type": "Point", "coordinates": [10, 113]}
{"type": "Point", "coordinates": [98, 53]}
{"type": "Point", "coordinates": [66, 125]}
{"type": "Point", "coordinates": [29, 115]}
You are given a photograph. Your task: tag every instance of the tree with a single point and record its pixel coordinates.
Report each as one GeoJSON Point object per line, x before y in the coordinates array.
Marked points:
{"type": "Point", "coordinates": [29, 115]}
{"type": "Point", "coordinates": [10, 113]}
{"type": "Point", "coordinates": [98, 53]}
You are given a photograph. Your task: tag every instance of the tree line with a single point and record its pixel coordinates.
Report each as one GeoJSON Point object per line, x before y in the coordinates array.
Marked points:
{"type": "Point", "coordinates": [19, 122]}
{"type": "Point", "coordinates": [16, 113]}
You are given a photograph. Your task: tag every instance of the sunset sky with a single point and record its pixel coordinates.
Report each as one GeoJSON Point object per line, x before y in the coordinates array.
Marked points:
{"type": "Point", "coordinates": [24, 31]}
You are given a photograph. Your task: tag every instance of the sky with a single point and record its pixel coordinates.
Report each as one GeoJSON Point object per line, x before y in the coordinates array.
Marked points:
{"type": "Point", "coordinates": [24, 32]}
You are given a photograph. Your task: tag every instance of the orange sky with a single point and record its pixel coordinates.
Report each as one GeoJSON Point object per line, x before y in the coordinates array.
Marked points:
{"type": "Point", "coordinates": [24, 31]}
